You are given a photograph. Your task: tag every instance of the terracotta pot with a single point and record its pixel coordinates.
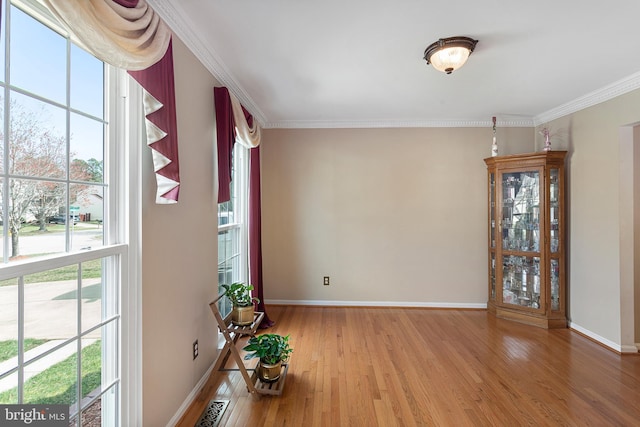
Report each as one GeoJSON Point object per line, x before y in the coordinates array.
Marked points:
{"type": "Point", "coordinates": [242, 316]}
{"type": "Point", "coordinates": [269, 373]}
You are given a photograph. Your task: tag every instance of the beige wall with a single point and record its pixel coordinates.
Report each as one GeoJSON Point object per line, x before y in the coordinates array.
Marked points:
{"type": "Point", "coordinates": [391, 215]}
{"type": "Point", "coordinates": [598, 297]}
{"type": "Point", "coordinates": [179, 252]}
{"type": "Point", "coordinates": [636, 229]}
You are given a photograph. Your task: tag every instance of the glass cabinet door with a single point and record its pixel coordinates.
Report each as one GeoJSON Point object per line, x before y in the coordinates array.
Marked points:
{"type": "Point", "coordinates": [492, 236]}
{"type": "Point", "coordinates": [555, 285]}
{"type": "Point", "coordinates": [492, 277]}
{"type": "Point", "coordinates": [520, 215]}
{"type": "Point", "coordinates": [521, 281]}
{"type": "Point", "coordinates": [520, 233]}
{"type": "Point", "coordinates": [554, 245]}
{"type": "Point", "coordinates": [492, 209]}
{"type": "Point", "coordinates": [554, 207]}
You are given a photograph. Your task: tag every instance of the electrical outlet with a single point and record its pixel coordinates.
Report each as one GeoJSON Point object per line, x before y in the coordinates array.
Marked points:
{"type": "Point", "coordinates": [195, 349]}
{"type": "Point", "coordinates": [326, 280]}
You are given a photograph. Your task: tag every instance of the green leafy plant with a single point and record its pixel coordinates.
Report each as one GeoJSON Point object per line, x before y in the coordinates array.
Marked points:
{"type": "Point", "coordinates": [270, 348]}
{"type": "Point", "coordinates": [239, 294]}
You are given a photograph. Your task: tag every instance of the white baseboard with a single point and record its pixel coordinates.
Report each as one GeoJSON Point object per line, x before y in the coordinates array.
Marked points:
{"type": "Point", "coordinates": [414, 304]}
{"type": "Point", "coordinates": [602, 340]}
{"type": "Point", "coordinates": [190, 398]}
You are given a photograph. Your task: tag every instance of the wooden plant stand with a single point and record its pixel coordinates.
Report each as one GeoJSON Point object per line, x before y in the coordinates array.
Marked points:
{"type": "Point", "coordinates": [232, 334]}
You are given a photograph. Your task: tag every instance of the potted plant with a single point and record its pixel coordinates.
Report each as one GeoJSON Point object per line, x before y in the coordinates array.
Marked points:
{"type": "Point", "coordinates": [240, 296]}
{"type": "Point", "coordinates": [272, 350]}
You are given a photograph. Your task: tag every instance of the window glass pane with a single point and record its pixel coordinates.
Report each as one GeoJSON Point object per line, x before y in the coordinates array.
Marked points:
{"type": "Point", "coordinates": [1, 129]}
{"type": "Point", "coordinates": [8, 336]}
{"type": "Point", "coordinates": [91, 296]}
{"type": "Point", "coordinates": [48, 201]}
{"type": "Point", "coordinates": [37, 138]}
{"type": "Point", "coordinates": [87, 207]}
{"type": "Point", "coordinates": [9, 389]}
{"type": "Point", "coordinates": [51, 304]}
{"type": "Point", "coordinates": [3, 220]}
{"type": "Point", "coordinates": [87, 75]}
{"type": "Point", "coordinates": [108, 404]}
{"type": "Point", "coordinates": [54, 378]}
{"type": "Point", "coordinates": [91, 366]}
{"type": "Point", "coordinates": [87, 149]}
{"type": "Point", "coordinates": [38, 57]}
{"type": "Point", "coordinates": [225, 214]}
{"type": "Point", "coordinates": [225, 270]}
{"type": "Point", "coordinates": [110, 353]}
{"type": "Point", "coordinates": [29, 202]}
{"type": "Point", "coordinates": [3, 25]}
{"type": "Point", "coordinates": [34, 208]}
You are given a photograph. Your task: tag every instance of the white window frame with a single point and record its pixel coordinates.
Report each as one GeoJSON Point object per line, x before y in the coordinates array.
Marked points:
{"type": "Point", "coordinates": [240, 197]}
{"type": "Point", "coordinates": [122, 234]}
{"type": "Point", "coordinates": [127, 212]}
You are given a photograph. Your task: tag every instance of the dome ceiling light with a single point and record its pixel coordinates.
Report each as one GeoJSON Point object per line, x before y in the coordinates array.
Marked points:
{"type": "Point", "coordinates": [449, 54]}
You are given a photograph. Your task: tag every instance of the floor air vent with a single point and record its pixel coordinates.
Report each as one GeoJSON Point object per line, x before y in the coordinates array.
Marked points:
{"type": "Point", "coordinates": [212, 414]}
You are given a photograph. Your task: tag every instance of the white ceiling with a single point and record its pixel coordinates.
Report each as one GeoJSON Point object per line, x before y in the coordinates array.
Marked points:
{"type": "Point", "coordinates": [358, 63]}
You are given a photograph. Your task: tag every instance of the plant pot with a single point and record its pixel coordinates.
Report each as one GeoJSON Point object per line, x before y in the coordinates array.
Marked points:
{"type": "Point", "coordinates": [269, 373]}
{"type": "Point", "coordinates": [242, 316]}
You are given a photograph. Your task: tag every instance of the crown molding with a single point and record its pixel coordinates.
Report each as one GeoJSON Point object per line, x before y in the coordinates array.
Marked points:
{"type": "Point", "coordinates": [598, 96]}
{"type": "Point", "coordinates": [359, 124]}
{"type": "Point", "coordinates": [182, 26]}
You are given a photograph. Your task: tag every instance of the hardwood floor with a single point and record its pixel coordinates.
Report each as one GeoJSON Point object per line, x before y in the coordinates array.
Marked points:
{"type": "Point", "coordinates": [425, 367]}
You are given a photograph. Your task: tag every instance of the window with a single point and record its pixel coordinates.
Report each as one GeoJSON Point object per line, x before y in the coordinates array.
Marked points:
{"type": "Point", "coordinates": [232, 227]}
{"type": "Point", "coordinates": [65, 261]}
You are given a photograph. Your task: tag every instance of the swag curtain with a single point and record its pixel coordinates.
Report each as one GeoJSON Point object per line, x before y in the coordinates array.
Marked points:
{"type": "Point", "coordinates": [235, 124]}
{"type": "Point", "coordinates": [130, 35]}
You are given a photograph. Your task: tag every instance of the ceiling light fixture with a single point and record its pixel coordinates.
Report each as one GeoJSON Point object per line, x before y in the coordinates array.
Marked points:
{"type": "Point", "coordinates": [447, 55]}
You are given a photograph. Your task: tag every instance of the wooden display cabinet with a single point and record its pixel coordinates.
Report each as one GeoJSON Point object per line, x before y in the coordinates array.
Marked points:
{"type": "Point", "coordinates": [527, 238]}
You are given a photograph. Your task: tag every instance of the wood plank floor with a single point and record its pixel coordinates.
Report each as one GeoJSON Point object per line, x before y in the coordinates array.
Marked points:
{"type": "Point", "coordinates": [425, 367]}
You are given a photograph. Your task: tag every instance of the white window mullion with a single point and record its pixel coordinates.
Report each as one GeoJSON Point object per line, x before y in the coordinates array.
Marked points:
{"type": "Point", "coordinates": [242, 194]}
{"type": "Point", "coordinates": [6, 27]}
{"type": "Point", "coordinates": [79, 338]}
{"type": "Point", "coordinates": [69, 222]}
{"type": "Point", "coordinates": [20, 338]}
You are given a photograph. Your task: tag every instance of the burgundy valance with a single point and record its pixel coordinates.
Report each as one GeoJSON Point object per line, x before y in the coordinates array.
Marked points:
{"type": "Point", "coordinates": [130, 35]}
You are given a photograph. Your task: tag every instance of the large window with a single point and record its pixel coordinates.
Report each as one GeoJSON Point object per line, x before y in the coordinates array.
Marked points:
{"type": "Point", "coordinates": [232, 227]}
{"type": "Point", "coordinates": [64, 258]}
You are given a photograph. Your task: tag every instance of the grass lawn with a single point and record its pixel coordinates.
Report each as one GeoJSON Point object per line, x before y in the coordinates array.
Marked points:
{"type": "Point", "coordinates": [90, 269]}
{"type": "Point", "coordinates": [9, 349]}
{"type": "Point", "coordinates": [57, 385]}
